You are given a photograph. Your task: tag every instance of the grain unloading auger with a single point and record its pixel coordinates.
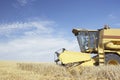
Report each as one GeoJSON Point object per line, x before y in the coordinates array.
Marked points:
{"type": "Point", "coordinates": [103, 43]}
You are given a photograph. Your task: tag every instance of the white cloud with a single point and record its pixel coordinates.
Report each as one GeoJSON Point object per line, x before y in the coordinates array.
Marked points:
{"type": "Point", "coordinates": [36, 44]}
{"type": "Point", "coordinates": [111, 16]}
{"type": "Point", "coordinates": [22, 3]}
{"type": "Point", "coordinates": [39, 26]}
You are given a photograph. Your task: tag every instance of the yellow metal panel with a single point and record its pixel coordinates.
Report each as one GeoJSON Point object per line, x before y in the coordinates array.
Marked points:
{"type": "Point", "coordinates": [101, 60]}
{"type": "Point", "coordinates": [71, 57]}
{"type": "Point", "coordinates": [118, 52]}
{"type": "Point", "coordinates": [101, 55]}
{"type": "Point", "coordinates": [111, 32]}
{"type": "Point", "coordinates": [88, 63]}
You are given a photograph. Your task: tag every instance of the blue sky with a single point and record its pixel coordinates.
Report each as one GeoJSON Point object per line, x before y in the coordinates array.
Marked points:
{"type": "Point", "coordinates": [32, 30]}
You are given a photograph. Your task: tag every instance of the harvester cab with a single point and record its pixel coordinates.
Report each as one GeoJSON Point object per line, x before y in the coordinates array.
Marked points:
{"type": "Point", "coordinates": [87, 40]}
{"type": "Point", "coordinates": [105, 43]}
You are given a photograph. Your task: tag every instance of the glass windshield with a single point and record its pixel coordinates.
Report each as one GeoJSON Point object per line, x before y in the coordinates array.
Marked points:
{"type": "Point", "coordinates": [87, 40]}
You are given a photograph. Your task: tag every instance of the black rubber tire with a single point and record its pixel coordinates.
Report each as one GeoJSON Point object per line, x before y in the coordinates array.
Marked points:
{"type": "Point", "coordinates": [112, 57]}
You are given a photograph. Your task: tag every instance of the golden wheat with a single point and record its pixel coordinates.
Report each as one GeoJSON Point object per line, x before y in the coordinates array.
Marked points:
{"type": "Point", "coordinates": [50, 71]}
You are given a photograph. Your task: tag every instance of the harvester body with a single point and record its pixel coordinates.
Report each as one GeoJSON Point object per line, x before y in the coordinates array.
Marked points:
{"type": "Point", "coordinates": [104, 43]}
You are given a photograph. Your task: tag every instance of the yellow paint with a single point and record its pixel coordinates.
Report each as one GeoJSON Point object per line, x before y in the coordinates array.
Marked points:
{"type": "Point", "coordinates": [88, 63]}
{"type": "Point", "coordinates": [71, 57]}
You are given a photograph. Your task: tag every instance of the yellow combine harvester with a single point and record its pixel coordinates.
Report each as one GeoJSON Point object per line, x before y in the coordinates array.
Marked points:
{"type": "Point", "coordinates": [103, 43]}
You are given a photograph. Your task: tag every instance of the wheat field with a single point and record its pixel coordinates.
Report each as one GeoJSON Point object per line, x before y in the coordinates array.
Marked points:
{"type": "Point", "coordinates": [50, 71]}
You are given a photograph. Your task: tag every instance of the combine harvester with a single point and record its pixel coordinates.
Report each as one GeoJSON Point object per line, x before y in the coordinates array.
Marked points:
{"type": "Point", "coordinates": [103, 43]}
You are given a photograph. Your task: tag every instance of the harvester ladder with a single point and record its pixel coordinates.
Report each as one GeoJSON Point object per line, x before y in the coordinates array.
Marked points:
{"type": "Point", "coordinates": [101, 56]}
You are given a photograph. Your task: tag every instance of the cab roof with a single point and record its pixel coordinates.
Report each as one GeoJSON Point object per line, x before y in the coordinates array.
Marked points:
{"type": "Point", "coordinates": [75, 31]}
